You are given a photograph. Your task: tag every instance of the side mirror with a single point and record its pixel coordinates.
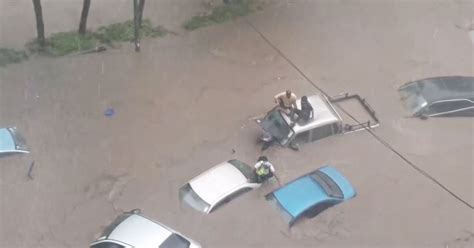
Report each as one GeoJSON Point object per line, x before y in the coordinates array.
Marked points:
{"type": "Point", "coordinates": [423, 116]}
{"type": "Point", "coordinates": [136, 211]}
{"type": "Point", "coordinates": [294, 146]}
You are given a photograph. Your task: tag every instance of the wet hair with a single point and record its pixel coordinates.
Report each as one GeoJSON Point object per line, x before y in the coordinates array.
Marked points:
{"type": "Point", "coordinates": [288, 93]}
{"type": "Point", "coordinates": [304, 99]}
{"type": "Point", "coordinates": [262, 158]}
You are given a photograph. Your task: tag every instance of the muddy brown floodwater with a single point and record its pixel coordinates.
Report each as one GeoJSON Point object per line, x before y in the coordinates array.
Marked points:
{"type": "Point", "coordinates": [185, 103]}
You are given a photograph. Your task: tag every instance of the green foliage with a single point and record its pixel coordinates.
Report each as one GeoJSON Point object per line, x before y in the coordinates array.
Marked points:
{"type": "Point", "coordinates": [222, 13]}
{"type": "Point", "coordinates": [64, 43]}
{"type": "Point", "coordinates": [124, 31]}
{"type": "Point", "coordinates": [10, 56]}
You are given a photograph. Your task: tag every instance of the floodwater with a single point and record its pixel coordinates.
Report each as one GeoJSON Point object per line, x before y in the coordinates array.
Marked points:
{"type": "Point", "coordinates": [186, 101]}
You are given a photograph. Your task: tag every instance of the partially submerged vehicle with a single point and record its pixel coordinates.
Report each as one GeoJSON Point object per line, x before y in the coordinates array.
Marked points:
{"type": "Point", "coordinates": [133, 230]}
{"type": "Point", "coordinates": [439, 96]}
{"type": "Point", "coordinates": [11, 141]}
{"type": "Point", "coordinates": [218, 186]}
{"type": "Point", "coordinates": [278, 128]}
{"type": "Point", "coordinates": [309, 195]}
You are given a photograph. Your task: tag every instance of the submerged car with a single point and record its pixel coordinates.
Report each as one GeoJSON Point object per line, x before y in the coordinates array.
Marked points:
{"type": "Point", "coordinates": [133, 230]}
{"type": "Point", "coordinates": [278, 129]}
{"type": "Point", "coordinates": [439, 96]}
{"type": "Point", "coordinates": [11, 141]}
{"type": "Point", "coordinates": [309, 195]}
{"type": "Point", "coordinates": [218, 186]}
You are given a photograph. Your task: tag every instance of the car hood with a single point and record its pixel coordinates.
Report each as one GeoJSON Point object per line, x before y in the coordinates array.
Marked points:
{"type": "Point", "coordinates": [299, 195]}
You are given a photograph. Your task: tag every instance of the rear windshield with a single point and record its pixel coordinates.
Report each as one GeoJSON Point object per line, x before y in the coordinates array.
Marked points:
{"type": "Point", "coordinates": [245, 169]}
{"type": "Point", "coordinates": [327, 184]}
{"type": "Point", "coordinates": [20, 143]}
{"type": "Point", "coordinates": [107, 245]}
{"type": "Point", "coordinates": [175, 241]}
{"type": "Point", "coordinates": [109, 229]}
{"type": "Point", "coordinates": [190, 198]}
{"type": "Point", "coordinates": [412, 98]}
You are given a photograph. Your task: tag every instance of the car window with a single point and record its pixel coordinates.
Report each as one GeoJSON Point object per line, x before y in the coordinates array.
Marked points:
{"type": "Point", "coordinates": [230, 198]}
{"type": "Point", "coordinates": [440, 107]}
{"type": "Point", "coordinates": [321, 132]}
{"type": "Point", "coordinates": [175, 241]}
{"type": "Point", "coordinates": [466, 112]}
{"type": "Point", "coordinates": [462, 104]}
{"type": "Point", "coordinates": [107, 245]}
{"type": "Point", "coordinates": [245, 169]}
{"type": "Point", "coordinates": [189, 197]}
{"type": "Point", "coordinates": [302, 137]}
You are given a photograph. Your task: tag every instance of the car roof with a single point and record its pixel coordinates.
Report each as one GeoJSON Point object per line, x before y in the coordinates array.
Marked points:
{"type": "Point", "coordinates": [6, 140]}
{"type": "Point", "coordinates": [218, 181]}
{"type": "Point", "coordinates": [139, 231]}
{"type": "Point", "coordinates": [444, 88]}
{"type": "Point", "coordinates": [323, 114]}
{"type": "Point", "coordinates": [299, 195]}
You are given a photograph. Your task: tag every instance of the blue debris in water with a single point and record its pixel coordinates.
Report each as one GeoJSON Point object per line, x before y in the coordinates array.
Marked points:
{"type": "Point", "coordinates": [109, 112]}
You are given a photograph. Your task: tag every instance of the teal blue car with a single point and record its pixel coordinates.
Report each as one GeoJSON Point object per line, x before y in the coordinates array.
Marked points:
{"type": "Point", "coordinates": [309, 195]}
{"type": "Point", "coordinates": [11, 141]}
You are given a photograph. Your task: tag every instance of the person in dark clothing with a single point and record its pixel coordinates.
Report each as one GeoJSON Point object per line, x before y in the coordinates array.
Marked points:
{"type": "Point", "coordinates": [304, 114]}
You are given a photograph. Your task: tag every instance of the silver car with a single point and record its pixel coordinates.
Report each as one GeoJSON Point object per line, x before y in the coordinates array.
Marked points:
{"type": "Point", "coordinates": [439, 96]}
{"type": "Point", "coordinates": [133, 230]}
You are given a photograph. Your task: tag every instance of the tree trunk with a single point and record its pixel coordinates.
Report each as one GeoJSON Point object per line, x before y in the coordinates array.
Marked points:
{"type": "Point", "coordinates": [84, 14]}
{"type": "Point", "coordinates": [136, 26]}
{"type": "Point", "coordinates": [141, 6]}
{"type": "Point", "coordinates": [39, 22]}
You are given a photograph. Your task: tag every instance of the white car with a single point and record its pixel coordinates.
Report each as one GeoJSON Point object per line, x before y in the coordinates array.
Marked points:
{"type": "Point", "coordinates": [218, 185]}
{"type": "Point", "coordinates": [132, 230]}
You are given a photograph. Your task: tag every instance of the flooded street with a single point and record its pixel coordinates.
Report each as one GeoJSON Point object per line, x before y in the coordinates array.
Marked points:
{"type": "Point", "coordinates": [185, 103]}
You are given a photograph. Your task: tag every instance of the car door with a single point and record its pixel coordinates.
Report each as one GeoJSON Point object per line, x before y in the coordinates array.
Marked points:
{"type": "Point", "coordinates": [229, 198]}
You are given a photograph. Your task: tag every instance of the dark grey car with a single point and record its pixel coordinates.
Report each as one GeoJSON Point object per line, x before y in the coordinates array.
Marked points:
{"type": "Point", "coordinates": [439, 96]}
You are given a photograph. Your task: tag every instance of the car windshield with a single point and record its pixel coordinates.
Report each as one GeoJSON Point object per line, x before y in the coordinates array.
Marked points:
{"type": "Point", "coordinates": [276, 126]}
{"type": "Point", "coordinates": [20, 143]}
{"type": "Point", "coordinates": [175, 241]}
{"type": "Point", "coordinates": [412, 98]}
{"type": "Point", "coordinates": [329, 186]}
{"type": "Point", "coordinates": [245, 169]}
{"type": "Point", "coordinates": [109, 229]}
{"type": "Point", "coordinates": [190, 198]}
{"type": "Point", "coordinates": [107, 245]}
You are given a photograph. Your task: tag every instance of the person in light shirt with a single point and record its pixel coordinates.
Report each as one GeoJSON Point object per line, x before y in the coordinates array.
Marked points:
{"type": "Point", "coordinates": [286, 100]}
